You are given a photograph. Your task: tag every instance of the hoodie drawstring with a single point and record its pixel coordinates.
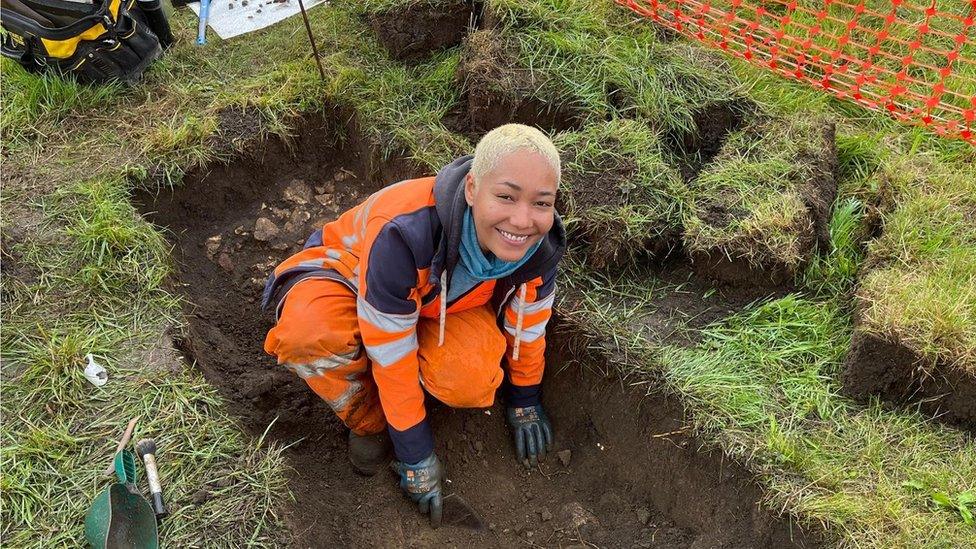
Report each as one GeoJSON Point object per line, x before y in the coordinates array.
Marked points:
{"type": "Point", "coordinates": [518, 322]}
{"type": "Point", "coordinates": [440, 336]}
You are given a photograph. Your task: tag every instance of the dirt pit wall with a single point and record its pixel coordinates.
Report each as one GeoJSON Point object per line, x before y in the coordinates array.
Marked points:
{"type": "Point", "coordinates": [624, 474]}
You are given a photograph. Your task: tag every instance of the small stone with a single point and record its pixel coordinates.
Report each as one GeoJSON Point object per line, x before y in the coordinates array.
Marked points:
{"type": "Point", "coordinates": [265, 229]}
{"type": "Point", "coordinates": [213, 244]}
{"type": "Point", "coordinates": [225, 262]}
{"type": "Point", "coordinates": [230, 6]}
{"type": "Point", "coordinates": [244, 3]}
{"type": "Point", "coordinates": [643, 515]}
{"type": "Point", "coordinates": [281, 246]}
{"type": "Point", "coordinates": [297, 192]}
{"type": "Point", "coordinates": [564, 457]}
{"type": "Point", "coordinates": [239, 229]}
{"type": "Point", "coordinates": [545, 514]}
{"type": "Point", "coordinates": [259, 10]}
{"type": "Point", "coordinates": [479, 446]}
{"type": "Point", "coordinates": [324, 199]}
{"type": "Point", "coordinates": [529, 534]}
{"type": "Point", "coordinates": [325, 188]}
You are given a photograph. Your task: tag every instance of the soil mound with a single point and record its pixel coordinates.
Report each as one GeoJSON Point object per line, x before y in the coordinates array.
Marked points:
{"type": "Point", "coordinates": [496, 92]}
{"type": "Point", "coordinates": [413, 33]}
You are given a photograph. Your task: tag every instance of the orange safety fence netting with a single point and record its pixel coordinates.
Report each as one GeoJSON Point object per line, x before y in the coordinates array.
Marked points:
{"type": "Point", "coordinates": [916, 62]}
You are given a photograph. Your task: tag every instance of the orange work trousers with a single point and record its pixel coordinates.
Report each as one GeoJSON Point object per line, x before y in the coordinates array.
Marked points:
{"type": "Point", "coordinates": [317, 337]}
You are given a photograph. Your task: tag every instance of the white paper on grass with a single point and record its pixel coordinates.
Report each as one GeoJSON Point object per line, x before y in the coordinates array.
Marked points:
{"type": "Point", "coordinates": [95, 372]}
{"type": "Point", "coordinates": [229, 22]}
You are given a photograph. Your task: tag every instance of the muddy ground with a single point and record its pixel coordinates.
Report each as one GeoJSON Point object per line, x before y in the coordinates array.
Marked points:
{"type": "Point", "coordinates": [627, 475]}
{"type": "Point", "coordinates": [877, 367]}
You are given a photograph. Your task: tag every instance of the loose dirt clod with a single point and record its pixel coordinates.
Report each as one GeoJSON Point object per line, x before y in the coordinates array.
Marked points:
{"type": "Point", "coordinates": [265, 229]}
{"type": "Point", "coordinates": [414, 33]}
{"type": "Point", "coordinates": [564, 457]}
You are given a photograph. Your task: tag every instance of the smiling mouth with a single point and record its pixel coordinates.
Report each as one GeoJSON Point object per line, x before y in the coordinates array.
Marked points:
{"type": "Point", "coordinates": [513, 238]}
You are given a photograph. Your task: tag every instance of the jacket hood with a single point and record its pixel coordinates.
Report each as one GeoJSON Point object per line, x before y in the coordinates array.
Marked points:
{"type": "Point", "coordinates": [450, 204]}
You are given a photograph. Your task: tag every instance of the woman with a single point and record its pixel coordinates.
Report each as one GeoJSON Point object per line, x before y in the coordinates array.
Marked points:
{"type": "Point", "coordinates": [428, 285]}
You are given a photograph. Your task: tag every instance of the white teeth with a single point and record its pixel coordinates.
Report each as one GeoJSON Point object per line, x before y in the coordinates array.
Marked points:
{"type": "Point", "coordinates": [511, 236]}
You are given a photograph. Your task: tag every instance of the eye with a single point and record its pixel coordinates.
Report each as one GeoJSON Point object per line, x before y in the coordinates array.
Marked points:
{"type": "Point", "coordinates": [506, 197]}
{"type": "Point", "coordinates": [544, 204]}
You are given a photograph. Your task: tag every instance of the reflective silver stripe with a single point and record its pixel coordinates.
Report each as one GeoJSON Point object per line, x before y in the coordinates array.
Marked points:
{"type": "Point", "coordinates": [340, 402]}
{"type": "Point", "coordinates": [333, 254]}
{"type": "Point", "coordinates": [534, 307]}
{"type": "Point", "coordinates": [388, 322]}
{"type": "Point", "coordinates": [349, 241]}
{"type": "Point", "coordinates": [388, 353]}
{"type": "Point", "coordinates": [319, 366]}
{"type": "Point", "coordinates": [313, 263]}
{"type": "Point", "coordinates": [529, 333]}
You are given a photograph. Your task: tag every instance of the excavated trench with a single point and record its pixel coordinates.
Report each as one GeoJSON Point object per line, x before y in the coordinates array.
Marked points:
{"type": "Point", "coordinates": [626, 474]}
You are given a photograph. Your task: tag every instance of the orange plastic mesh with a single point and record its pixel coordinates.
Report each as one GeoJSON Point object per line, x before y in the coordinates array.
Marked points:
{"type": "Point", "coordinates": [916, 62]}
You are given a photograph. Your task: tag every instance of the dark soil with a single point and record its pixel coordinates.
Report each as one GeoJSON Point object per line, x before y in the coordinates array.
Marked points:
{"type": "Point", "coordinates": [604, 239]}
{"type": "Point", "coordinates": [412, 34]}
{"type": "Point", "coordinates": [496, 92]}
{"type": "Point", "coordinates": [712, 123]}
{"type": "Point", "coordinates": [875, 366]}
{"type": "Point", "coordinates": [628, 475]}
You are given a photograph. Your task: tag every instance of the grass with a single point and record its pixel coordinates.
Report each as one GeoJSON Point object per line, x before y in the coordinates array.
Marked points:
{"type": "Point", "coordinates": [618, 192]}
{"type": "Point", "coordinates": [95, 286]}
{"type": "Point", "coordinates": [751, 201]}
{"type": "Point", "coordinates": [83, 273]}
{"type": "Point", "coordinates": [762, 386]}
{"type": "Point", "coordinates": [582, 56]}
{"type": "Point", "coordinates": [921, 288]}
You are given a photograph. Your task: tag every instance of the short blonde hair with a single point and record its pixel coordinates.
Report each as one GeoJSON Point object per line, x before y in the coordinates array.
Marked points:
{"type": "Point", "coordinates": [507, 139]}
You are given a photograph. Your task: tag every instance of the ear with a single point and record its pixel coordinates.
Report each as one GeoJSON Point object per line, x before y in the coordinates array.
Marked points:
{"type": "Point", "coordinates": [469, 189]}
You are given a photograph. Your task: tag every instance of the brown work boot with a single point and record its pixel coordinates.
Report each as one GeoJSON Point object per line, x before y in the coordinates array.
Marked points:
{"type": "Point", "coordinates": [368, 453]}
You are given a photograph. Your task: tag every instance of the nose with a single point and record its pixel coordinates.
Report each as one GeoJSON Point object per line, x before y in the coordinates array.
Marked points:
{"type": "Point", "coordinates": [521, 217]}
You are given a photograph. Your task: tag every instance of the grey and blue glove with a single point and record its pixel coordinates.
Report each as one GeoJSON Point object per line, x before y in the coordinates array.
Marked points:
{"type": "Point", "coordinates": [421, 482]}
{"type": "Point", "coordinates": [532, 432]}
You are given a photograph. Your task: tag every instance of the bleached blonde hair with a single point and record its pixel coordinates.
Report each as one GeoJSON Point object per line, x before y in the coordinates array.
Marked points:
{"type": "Point", "coordinates": [507, 139]}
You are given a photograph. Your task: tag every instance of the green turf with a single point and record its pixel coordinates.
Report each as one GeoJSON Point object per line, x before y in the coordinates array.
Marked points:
{"type": "Point", "coordinates": [619, 194]}
{"type": "Point", "coordinates": [920, 289]}
{"type": "Point", "coordinates": [750, 202]}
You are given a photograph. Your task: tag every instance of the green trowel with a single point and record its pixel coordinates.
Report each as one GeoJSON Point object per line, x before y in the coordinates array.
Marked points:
{"type": "Point", "coordinates": [120, 517]}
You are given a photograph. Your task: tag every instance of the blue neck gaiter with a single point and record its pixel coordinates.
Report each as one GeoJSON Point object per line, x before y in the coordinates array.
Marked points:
{"type": "Point", "coordinates": [474, 260]}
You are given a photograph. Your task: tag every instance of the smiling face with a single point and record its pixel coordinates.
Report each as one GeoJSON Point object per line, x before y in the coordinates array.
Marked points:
{"type": "Point", "coordinates": [513, 206]}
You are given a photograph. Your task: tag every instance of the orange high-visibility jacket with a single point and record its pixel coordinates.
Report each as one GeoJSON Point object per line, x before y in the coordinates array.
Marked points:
{"type": "Point", "coordinates": [396, 251]}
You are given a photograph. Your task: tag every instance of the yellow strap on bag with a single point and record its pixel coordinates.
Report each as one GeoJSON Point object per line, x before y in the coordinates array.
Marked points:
{"type": "Point", "coordinates": [63, 49]}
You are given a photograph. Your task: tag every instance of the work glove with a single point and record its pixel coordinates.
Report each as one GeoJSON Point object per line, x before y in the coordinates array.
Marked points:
{"type": "Point", "coordinates": [421, 482]}
{"type": "Point", "coordinates": [532, 432]}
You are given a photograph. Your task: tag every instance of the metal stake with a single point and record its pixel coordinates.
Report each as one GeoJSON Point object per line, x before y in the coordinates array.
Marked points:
{"type": "Point", "coordinates": [308, 29]}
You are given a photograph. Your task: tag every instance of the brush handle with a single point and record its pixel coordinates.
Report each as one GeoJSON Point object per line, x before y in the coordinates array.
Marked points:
{"type": "Point", "coordinates": [154, 487]}
{"type": "Point", "coordinates": [202, 28]}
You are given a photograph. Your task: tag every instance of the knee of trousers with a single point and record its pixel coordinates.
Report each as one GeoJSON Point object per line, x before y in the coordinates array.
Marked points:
{"type": "Point", "coordinates": [318, 328]}
{"type": "Point", "coordinates": [466, 370]}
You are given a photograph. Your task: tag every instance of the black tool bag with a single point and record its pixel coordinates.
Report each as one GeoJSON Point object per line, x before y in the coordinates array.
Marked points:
{"type": "Point", "coordinates": [100, 42]}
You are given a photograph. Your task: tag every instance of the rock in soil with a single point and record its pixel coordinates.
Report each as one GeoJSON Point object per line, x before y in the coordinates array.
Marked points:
{"type": "Point", "coordinates": [298, 192]}
{"type": "Point", "coordinates": [565, 456]}
{"type": "Point", "coordinates": [213, 244]}
{"type": "Point", "coordinates": [265, 229]}
{"type": "Point", "coordinates": [225, 263]}
{"type": "Point", "coordinates": [643, 515]}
